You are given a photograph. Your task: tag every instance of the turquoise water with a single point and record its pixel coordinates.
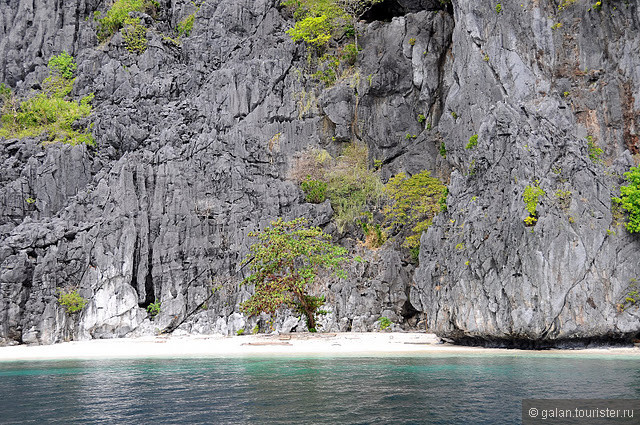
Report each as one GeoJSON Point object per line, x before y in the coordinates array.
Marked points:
{"type": "Point", "coordinates": [406, 390]}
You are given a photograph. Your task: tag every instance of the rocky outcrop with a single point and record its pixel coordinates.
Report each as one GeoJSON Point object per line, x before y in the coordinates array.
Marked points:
{"type": "Point", "coordinates": [195, 141]}
{"type": "Point", "coordinates": [536, 92]}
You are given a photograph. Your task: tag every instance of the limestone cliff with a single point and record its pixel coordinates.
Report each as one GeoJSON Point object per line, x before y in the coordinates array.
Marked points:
{"type": "Point", "coordinates": [195, 140]}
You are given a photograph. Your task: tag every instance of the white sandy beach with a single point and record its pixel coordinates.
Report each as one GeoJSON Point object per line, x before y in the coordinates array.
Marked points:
{"type": "Point", "coordinates": [334, 344]}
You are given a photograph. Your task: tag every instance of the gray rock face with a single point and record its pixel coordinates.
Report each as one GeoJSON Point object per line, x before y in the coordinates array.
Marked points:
{"type": "Point", "coordinates": [194, 143]}
{"type": "Point", "coordinates": [533, 94]}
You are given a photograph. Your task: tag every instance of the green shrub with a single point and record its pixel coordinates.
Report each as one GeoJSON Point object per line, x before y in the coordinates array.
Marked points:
{"type": "Point", "coordinates": [317, 21]}
{"type": "Point", "coordinates": [384, 323]}
{"type": "Point", "coordinates": [52, 116]}
{"type": "Point", "coordinates": [154, 309]}
{"type": "Point", "coordinates": [352, 186]}
{"type": "Point", "coordinates": [315, 191]}
{"type": "Point", "coordinates": [349, 54]}
{"type": "Point", "coordinates": [5, 92]}
{"type": "Point", "coordinates": [135, 35]}
{"type": "Point", "coordinates": [473, 142]}
{"type": "Point", "coordinates": [328, 72]}
{"type": "Point", "coordinates": [531, 196]}
{"type": "Point", "coordinates": [62, 65]}
{"type": "Point", "coordinates": [374, 236]}
{"type": "Point", "coordinates": [443, 150]}
{"type": "Point", "coordinates": [442, 202]}
{"type": "Point", "coordinates": [421, 118]}
{"type": "Point", "coordinates": [71, 301]}
{"type": "Point", "coordinates": [313, 30]}
{"type": "Point", "coordinates": [415, 202]}
{"type": "Point", "coordinates": [49, 112]}
{"type": "Point", "coordinates": [115, 18]}
{"type": "Point", "coordinates": [415, 254]}
{"type": "Point", "coordinates": [255, 330]}
{"type": "Point", "coordinates": [594, 151]}
{"type": "Point", "coordinates": [564, 198]}
{"type": "Point", "coordinates": [498, 8]}
{"type": "Point", "coordinates": [55, 86]}
{"type": "Point", "coordinates": [240, 332]}
{"type": "Point", "coordinates": [629, 199]}
{"type": "Point", "coordinates": [185, 26]}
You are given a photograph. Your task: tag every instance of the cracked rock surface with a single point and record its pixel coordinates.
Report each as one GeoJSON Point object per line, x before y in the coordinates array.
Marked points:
{"type": "Point", "coordinates": [195, 142]}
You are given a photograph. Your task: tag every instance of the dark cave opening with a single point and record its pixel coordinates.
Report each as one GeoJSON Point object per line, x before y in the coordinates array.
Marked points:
{"type": "Point", "coordinates": [385, 11]}
{"type": "Point", "coordinates": [388, 9]}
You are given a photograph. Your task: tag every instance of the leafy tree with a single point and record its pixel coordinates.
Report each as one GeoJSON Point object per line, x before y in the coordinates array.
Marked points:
{"type": "Point", "coordinates": [71, 301]}
{"type": "Point", "coordinates": [416, 201]}
{"type": "Point", "coordinates": [629, 199]}
{"type": "Point", "coordinates": [285, 262]}
{"type": "Point", "coordinates": [317, 20]}
{"type": "Point", "coordinates": [354, 9]}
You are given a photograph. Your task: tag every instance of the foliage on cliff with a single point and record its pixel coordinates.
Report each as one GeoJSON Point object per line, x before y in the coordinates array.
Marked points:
{"type": "Point", "coordinates": [285, 263]}
{"type": "Point", "coordinates": [352, 188]}
{"type": "Point", "coordinates": [118, 13]}
{"type": "Point", "coordinates": [415, 202]}
{"type": "Point", "coordinates": [49, 112]}
{"type": "Point", "coordinates": [317, 21]}
{"type": "Point", "coordinates": [71, 301]}
{"type": "Point", "coordinates": [629, 199]}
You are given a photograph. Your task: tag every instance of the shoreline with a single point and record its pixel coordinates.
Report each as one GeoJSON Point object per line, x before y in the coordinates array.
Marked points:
{"type": "Point", "coordinates": [349, 344]}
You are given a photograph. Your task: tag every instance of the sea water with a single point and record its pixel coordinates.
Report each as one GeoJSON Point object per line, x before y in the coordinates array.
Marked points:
{"type": "Point", "coordinates": [431, 389]}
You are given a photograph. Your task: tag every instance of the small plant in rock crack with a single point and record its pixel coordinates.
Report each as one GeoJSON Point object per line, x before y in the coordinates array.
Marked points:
{"type": "Point", "coordinates": [154, 309]}
{"type": "Point", "coordinates": [473, 142]}
{"type": "Point", "coordinates": [594, 151]}
{"type": "Point", "coordinates": [384, 323]}
{"type": "Point", "coordinates": [71, 301]}
{"type": "Point", "coordinates": [632, 298]}
{"type": "Point", "coordinates": [443, 150]}
{"type": "Point", "coordinates": [531, 195]}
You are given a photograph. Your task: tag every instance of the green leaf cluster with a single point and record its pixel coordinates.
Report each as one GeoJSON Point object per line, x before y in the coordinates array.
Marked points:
{"type": "Point", "coordinates": [134, 34]}
{"type": "Point", "coordinates": [313, 30]}
{"type": "Point", "coordinates": [154, 309]}
{"type": "Point", "coordinates": [629, 199]}
{"type": "Point", "coordinates": [71, 301]}
{"type": "Point", "coordinates": [185, 26]}
{"type": "Point", "coordinates": [473, 142]}
{"type": "Point", "coordinates": [49, 112]}
{"type": "Point", "coordinates": [594, 151]}
{"type": "Point", "coordinates": [285, 262]}
{"type": "Point", "coordinates": [531, 195]}
{"type": "Point", "coordinates": [415, 202]}
{"type": "Point", "coordinates": [315, 190]}
{"type": "Point", "coordinates": [116, 16]}
{"type": "Point", "coordinates": [62, 66]}
{"type": "Point", "coordinates": [384, 323]}
{"type": "Point", "coordinates": [352, 187]}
